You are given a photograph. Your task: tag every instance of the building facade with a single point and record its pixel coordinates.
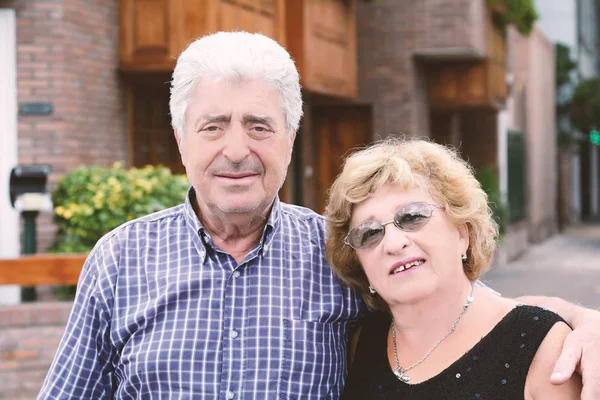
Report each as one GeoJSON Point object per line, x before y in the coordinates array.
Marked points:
{"type": "Point", "coordinates": [448, 71]}
{"type": "Point", "coordinates": [429, 68]}
{"type": "Point", "coordinates": [435, 69]}
{"type": "Point", "coordinates": [369, 69]}
{"type": "Point", "coordinates": [531, 149]}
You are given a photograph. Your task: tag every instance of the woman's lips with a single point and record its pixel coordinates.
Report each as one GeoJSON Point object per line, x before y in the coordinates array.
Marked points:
{"type": "Point", "coordinates": [410, 266]}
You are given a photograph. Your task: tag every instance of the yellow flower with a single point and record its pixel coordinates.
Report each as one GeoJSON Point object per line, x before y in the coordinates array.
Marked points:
{"type": "Point", "coordinates": [86, 209]}
{"type": "Point", "coordinates": [98, 199]}
{"type": "Point", "coordinates": [113, 200]}
{"type": "Point", "coordinates": [145, 185]}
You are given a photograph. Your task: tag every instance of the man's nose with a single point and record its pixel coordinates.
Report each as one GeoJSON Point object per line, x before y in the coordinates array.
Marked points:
{"type": "Point", "coordinates": [236, 147]}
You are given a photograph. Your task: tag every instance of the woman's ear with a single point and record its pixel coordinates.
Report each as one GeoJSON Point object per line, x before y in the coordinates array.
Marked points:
{"type": "Point", "coordinates": [463, 236]}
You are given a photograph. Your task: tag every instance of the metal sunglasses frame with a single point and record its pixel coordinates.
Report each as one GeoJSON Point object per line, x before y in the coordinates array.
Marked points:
{"type": "Point", "coordinates": [432, 207]}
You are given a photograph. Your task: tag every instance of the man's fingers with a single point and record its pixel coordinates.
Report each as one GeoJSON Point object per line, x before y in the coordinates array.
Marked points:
{"type": "Point", "coordinates": [590, 392]}
{"type": "Point", "coordinates": [591, 381]}
{"type": "Point", "coordinates": [567, 362]}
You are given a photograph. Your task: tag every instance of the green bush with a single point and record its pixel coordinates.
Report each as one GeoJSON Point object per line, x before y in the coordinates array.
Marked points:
{"type": "Point", "coordinates": [520, 13]}
{"type": "Point", "coordinates": [91, 201]}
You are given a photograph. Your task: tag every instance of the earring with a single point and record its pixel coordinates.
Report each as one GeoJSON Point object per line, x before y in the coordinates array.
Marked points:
{"type": "Point", "coordinates": [371, 290]}
{"type": "Point", "coordinates": [464, 257]}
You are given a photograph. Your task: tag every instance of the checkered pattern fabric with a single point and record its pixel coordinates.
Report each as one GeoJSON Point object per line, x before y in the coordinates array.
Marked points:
{"type": "Point", "coordinates": [161, 313]}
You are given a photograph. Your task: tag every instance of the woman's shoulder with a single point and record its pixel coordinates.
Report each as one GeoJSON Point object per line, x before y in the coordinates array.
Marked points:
{"type": "Point", "coordinates": [524, 313]}
{"type": "Point", "coordinates": [525, 323]}
{"type": "Point", "coordinates": [507, 314]}
{"type": "Point", "coordinates": [529, 339]}
{"type": "Point", "coordinates": [515, 333]}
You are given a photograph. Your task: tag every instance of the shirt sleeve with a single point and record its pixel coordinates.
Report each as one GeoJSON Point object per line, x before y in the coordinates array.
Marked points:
{"type": "Point", "coordinates": [82, 367]}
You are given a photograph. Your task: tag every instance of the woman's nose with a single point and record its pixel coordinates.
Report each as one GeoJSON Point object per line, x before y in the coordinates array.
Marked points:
{"type": "Point", "coordinates": [395, 240]}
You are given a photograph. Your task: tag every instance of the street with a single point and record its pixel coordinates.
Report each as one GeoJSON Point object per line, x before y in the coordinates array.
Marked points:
{"type": "Point", "coordinates": [566, 265]}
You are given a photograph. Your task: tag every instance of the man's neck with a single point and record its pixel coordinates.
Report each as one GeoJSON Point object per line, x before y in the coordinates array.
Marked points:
{"type": "Point", "coordinates": [234, 233]}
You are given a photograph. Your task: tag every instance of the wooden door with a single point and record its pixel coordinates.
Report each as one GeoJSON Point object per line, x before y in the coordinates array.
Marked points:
{"type": "Point", "coordinates": [154, 32]}
{"type": "Point", "coordinates": [338, 130]}
{"type": "Point", "coordinates": [321, 36]}
{"type": "Point", "coordinates": [148, 39]}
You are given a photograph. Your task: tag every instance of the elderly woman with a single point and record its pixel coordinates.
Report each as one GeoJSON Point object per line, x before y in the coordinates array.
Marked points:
{"type": "Point", "coordinates": [411, 230]}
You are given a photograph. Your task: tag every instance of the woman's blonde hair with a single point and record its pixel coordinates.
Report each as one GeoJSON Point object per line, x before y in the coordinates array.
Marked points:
{"type": "Point", "coordinates": [408, 163]}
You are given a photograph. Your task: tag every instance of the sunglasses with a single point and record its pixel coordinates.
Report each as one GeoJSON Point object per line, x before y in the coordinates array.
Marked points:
{"type": "Point", "coordinates": [409, 218]}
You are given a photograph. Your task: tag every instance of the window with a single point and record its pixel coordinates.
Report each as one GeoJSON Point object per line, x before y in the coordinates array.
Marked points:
{"type": "Point", "coordinates": [151, 137]}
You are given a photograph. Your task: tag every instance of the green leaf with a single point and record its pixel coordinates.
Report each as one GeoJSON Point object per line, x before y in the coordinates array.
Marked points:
{"type": "Point", "coordinates": [91, 201]}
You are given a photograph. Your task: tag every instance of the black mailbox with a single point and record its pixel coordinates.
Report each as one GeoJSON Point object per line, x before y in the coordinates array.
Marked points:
{"type": "Point", "coordinates": [28, 179]}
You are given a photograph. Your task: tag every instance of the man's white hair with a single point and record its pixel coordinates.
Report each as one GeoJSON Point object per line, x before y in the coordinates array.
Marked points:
{"type": "Point", "coordinates": [233, 57]}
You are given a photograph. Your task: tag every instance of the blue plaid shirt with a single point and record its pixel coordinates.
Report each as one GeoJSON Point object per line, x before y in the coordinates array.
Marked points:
{"type": "Point", "coordinates": [161, 313]}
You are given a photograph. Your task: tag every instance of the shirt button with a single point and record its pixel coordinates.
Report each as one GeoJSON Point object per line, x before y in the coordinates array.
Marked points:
{"type": "Point", "coordinates": [236, 274]}
{"type": "Point", "coordinates": [229, 395]}
{"type": "Point", "coordinates": [233, 334]}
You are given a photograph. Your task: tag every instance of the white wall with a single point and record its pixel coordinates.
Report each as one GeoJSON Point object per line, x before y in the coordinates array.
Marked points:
{"type": "Point", "coordinates": [558, 19]}
{"type": "Point", "coordinates": [9, 218]}
{"type": "Point", "coordinates": [504, 118]}
{"type": "Point", "coordinates": [588, 39]}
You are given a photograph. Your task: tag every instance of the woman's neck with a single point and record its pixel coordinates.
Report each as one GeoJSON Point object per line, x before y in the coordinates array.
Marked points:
{"type": "Point", "coordinates": [421, 324]}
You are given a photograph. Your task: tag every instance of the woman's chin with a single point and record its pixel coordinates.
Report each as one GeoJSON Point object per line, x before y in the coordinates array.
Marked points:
{"type": "Point", "coordinates": [412, 294]}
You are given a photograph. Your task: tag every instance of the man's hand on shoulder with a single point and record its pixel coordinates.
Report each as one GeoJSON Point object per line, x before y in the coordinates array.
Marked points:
{"type": "Point", "coordinates": [581, 349]}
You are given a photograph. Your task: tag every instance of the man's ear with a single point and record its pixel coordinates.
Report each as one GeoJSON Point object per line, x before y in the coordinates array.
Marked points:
{"type": "Point", "coordinates": [292, 141]}
{"type": "Point", "coordinates": [179, 138]}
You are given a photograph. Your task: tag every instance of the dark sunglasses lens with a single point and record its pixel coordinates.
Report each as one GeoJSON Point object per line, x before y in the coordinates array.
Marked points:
{"type": "Point", "coordinates": [413, 217]}
{"type": "Point", "coordinates": [365, 235]}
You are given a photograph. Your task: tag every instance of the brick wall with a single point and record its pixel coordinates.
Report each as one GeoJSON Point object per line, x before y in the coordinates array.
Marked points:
{"type": "Point", "coordinates": [67, 55]}
{"type": "Point", "coordinates": [29, 337]}
{"type": "Point", "coordinates": [389, 34]}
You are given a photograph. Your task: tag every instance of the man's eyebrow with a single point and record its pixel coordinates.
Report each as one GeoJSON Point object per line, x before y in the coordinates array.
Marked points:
{"type": "Point", "coordinates": [212, 118]}
{"type": "Point", "coordinates": [257, 119]}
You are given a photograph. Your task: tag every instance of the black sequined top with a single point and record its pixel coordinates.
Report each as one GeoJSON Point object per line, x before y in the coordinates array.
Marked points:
{"type": "Point", "coordinates": [494, 369]}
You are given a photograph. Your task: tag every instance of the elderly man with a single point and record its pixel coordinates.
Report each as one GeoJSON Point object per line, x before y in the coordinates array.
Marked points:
{"type": "Point", "coordinates": [228, 295]}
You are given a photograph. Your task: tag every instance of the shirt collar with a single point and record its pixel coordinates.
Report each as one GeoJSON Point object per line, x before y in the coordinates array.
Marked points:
{"type": "Point", "coordinates": [195, 224]}
{"type": "Point", "coordinates": [190, 215]}
{"type": "Point", "coordinates": [272, 224]}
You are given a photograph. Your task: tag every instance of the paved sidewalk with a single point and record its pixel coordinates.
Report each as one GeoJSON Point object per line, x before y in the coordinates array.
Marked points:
{"type": "Point", "coordinates": [566, 265]}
